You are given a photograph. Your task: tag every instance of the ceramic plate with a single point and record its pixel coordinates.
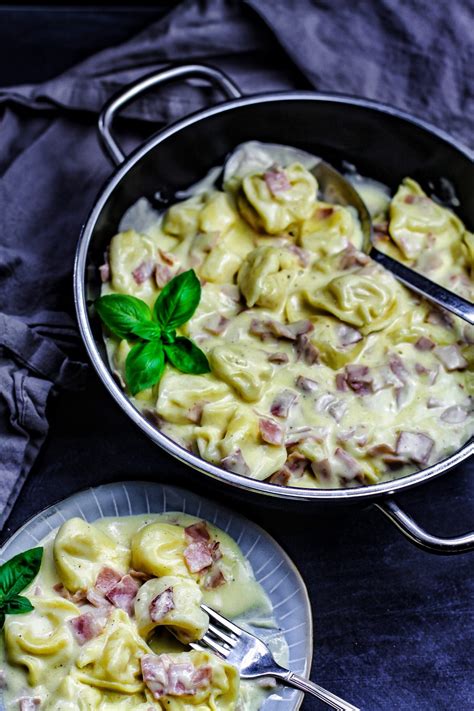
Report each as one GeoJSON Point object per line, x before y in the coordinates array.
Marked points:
{"type": "Point", "coordinates": [272, 567]}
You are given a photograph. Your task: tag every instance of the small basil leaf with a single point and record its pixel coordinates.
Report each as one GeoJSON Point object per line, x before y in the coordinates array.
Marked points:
{"type": "Point", "coordinates": [19, 572]}
{"type": "Point", "coordinates": [121, 313]}
{"type": "Point", "coordinates": [18, 605]}
{"type": "Point", "coordinates": [149, 331]}
{"type": "Point", "coordinates": [144, 366]}
{"type": "Point", "coordinates": [187, 357]}
{"type": "Point", "coordinates": [178, 300]}
{"type": "Point", "coordinates": [168, 336]}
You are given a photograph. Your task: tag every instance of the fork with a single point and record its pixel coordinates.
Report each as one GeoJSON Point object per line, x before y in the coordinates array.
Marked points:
{"type": "Point", "coordinates": [253, 658]}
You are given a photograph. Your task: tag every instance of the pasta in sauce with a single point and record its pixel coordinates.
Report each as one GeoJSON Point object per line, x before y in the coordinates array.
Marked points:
{"type": "Point", "coordinates": [326, 372]}
{"type": "Point", "coordinates": [114, 603]}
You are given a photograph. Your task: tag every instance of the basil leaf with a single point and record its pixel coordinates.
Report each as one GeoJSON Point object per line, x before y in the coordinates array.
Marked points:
{"type": "Point", "coordinates": [18, 605]}
{"type": "Point", "coordinates": [121, 313]}
{"type": "Point", "coordinates": [19, 572]}
{"type": "Point", "coordinates": [187, 357]}
{"type": "Point", "coordinates": [149, 331]}
{"type": "Point", "coordinates": [144, 366]}
{"type": "Point", "coordinates": [178, 300]}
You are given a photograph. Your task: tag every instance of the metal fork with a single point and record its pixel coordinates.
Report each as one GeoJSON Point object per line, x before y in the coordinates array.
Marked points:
{"type": "Point", "coordinates": [253, 658]}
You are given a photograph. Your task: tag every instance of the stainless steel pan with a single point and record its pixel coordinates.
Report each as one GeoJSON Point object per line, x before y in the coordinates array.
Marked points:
{"type": "Point", "coordinates": [383, 142]}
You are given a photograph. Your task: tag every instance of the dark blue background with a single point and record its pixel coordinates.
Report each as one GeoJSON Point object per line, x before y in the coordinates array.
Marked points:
{"type": "Point", "coordinates": [393, 626]}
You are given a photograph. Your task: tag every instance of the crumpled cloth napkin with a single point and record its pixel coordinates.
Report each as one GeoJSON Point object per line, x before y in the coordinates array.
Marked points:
{"type": "Point", "coordinates": [415, 55]}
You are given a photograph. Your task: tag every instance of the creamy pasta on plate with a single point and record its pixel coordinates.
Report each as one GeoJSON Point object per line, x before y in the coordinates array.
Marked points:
{"type": "Point", "coordinates": [324, 370]}
{"type": "Point", "coordinates": [116, 604]}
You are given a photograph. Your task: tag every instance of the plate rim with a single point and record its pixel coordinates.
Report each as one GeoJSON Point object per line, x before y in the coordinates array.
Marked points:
{"type": "Point", "coordinates": [55, 507]}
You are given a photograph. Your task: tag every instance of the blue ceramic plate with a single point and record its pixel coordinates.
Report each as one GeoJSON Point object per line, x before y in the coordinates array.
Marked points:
{"type": "Point", "coordinates": [272, 567]}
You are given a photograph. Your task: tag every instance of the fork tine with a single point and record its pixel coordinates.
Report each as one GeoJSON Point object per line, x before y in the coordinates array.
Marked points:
{"type": "Point", "coordinates": [198, 647]}
{"type": "Point", "coordinates": [231, 641]}
{"type": "Point", "coordinates": [226, 624]}
{"type": "Point", "coordinates": [215, 646]}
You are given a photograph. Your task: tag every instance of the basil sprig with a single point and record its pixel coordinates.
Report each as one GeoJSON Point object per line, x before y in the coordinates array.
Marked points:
{"type": "Point", "coordinates": [155, 332]}
{"type": "Point", "coordinates": [15, 575]}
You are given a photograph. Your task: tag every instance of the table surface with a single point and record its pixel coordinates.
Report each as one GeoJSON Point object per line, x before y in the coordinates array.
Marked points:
{"type": "Point", "coordinates": [393, 626]}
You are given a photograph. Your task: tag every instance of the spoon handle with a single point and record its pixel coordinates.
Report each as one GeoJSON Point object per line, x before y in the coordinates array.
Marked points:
{"type": "Point", "coordinates": [427, 288]}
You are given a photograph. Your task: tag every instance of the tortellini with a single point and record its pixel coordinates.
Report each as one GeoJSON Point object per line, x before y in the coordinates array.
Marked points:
{"type": "Point", "coordinates": [42, 639]}
{"type": "Point", "coordinates": [158, 549]}
{"type": "Point", "coordinates": [329, 230]}
{"type": "Point", "coordinates": [360, 300]}
{"type": "Point", "coordinates": [81, 550]}
{"type": "Point", "coordinates": [243, 368]}
{"type": "Point", "coordinates": [277, 199]}
{"type": "Point", "coordinates": [181, 397]}
{"type": "Point", "coordinates": [266, 276]}
{"type": "Point", "coordinates": [414, 217]}
{"type": "Point", "coordinates": [182, 220]}
{"type": "Point", "coordinates": [112, 660]}
{"type": "Point", "coordinates": [172, 601]}
{"type": "Point", "coordinates": [131, 258]}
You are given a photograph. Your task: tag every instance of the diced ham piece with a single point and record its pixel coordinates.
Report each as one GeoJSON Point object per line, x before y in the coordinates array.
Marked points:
{"type": "Point", "coordinates": [341, 382]}
{"type": "Point", "coordinates": [398, 368]}
{"type": "Point", "coordinates": [307, 385]}
{"type": "Point", "coordinates": [216, 324]}
{"type": "Point", "coordinates": [29, 703]}
{"type": "Point", "coordinates": [270, 431]}
{"type": "Point", "coordinates": [454, 415]}
{"type": "Point", "coordinates": [85, 627]}
{"type": "Point", "coordinates": [79, 597]}
{"type": "Point", "coordinates": [348, 336]}
{"type": "Point", "coordinates": [163, 274]}
{"type": "Point", "coordinates": [300, 434]}
{"type": "Point", "coordinates": [306, 351]}
{"type": "Point", "coordinates": [270, 328]}
{"type": "Point", "coordinates": [297, 464]}
{"type": "Point", "coordinates": [143, 271]}
{"type": "Point", "coordinates": [236, 463]}
{"type": "Point", "coordinates": [215, 550]}
{"type": "Point", "coordinates": [322, 469]}
{"type": "Point", "coordinates": [451, 357]}
{"type": "Point", "coordinates": [123, 594]}
{"type": "Point", "coordinates": [161, 605]}
{"type": "Point", "coordinates": [351, 466]}
{"type": "Point", "coordinates": [197, 556]}
{"type": "Point", "coordinates": [281, 477]}
{"type": "Point", "coordinates": [351, 257]}
{"type": "Point", "coordinates": [440, 318]}
{"type": "Point", "coordinates": [359, 378]}
{"type": "Point", "coordinates": [107, 578]}
{"type": "Point", "coordinates": [279, 358]}
{"type": "Point", "coordinates": [277, 181]}
{"type": "Point", "coordinates": [104, 271]}
{"type": "Point", "coordinates": [379, 450]}
{"type": "Point", "coordinates": [302, 254]}
{"type": "Point", "coordinates": [163, 677]}
{"type": "Point", "coordinates": [214, 578]}
{"type": "Point", "coordinates": [322, 213]}
{"type": "Point", "coordinates": [424, 344]}
{"type": "Point", "coordinates": [414, 446]}
{"type": "Point", "coordinates": [281, 405]}
{"type": "Point", "coordinates": [197, 532]}
{"type": "Point", "coordinates": [97, 599]}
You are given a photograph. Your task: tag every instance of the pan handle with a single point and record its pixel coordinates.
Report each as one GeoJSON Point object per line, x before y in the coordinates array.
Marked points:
{"type": "Point", "coordinates": [421, 538]}
{"type": "Point", "coordinates": [131, 92]}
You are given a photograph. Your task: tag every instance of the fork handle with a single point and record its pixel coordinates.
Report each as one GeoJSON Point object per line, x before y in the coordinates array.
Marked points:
{"type": "Point", "coordinates": [309, 687]}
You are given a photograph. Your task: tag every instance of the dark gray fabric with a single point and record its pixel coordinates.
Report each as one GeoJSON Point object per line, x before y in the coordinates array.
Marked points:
{"type": "Point", "coordinates": [416, 55]}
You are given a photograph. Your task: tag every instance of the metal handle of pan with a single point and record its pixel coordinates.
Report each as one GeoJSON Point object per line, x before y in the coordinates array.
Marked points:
{"type": "Point", "coordinates": [421, 538]}
{"type": "Point", "coordinates": [131, 92]}
{"type": "Point", "coordinates": [417, 282]}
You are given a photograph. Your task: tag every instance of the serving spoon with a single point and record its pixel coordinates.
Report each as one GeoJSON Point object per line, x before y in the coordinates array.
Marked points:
{"type": "Point", "coordinates": [337, 189]}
